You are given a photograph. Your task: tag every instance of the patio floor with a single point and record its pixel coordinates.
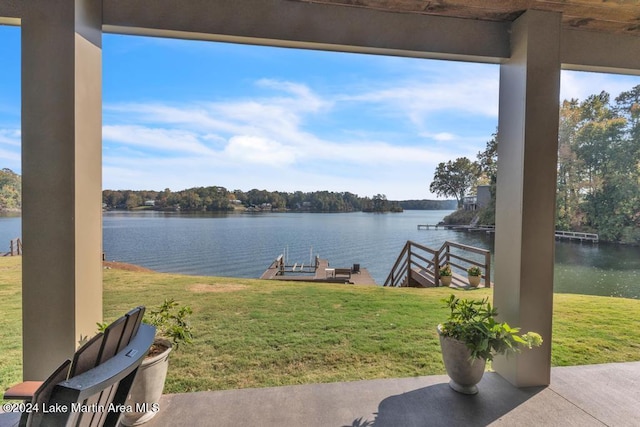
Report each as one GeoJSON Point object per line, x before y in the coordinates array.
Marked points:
{"type": "Point", "coordinates": [591, 395]}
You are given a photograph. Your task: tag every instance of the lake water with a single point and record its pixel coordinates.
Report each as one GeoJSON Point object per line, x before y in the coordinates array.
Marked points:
{"type": "Point", "coordinates": [243, 245]}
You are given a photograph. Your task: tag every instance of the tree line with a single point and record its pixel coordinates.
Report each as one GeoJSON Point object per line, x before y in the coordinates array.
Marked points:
{"type": "Point", "coordinates": [10, 191]}
{"type": "Point", "coordinates": [599, 166]}
{"type": "Point", "coordinates": [598, 180]}
{"type": "Point", "coordinates": [216, 198]}
{"type": "Point", "coordinates": [220, 199]}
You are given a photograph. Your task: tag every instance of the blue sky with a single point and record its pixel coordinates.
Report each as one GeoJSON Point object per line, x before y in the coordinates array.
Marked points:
{"type": "Point", "coordinates": [180, 114]}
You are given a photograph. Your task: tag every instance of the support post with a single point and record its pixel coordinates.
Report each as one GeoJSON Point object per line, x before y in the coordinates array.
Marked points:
{"type": "Point", "coordinates": [62, 182]}
{"type": "Point", "coordinates": [487, 271]}
{"type": "Point", "coordinates": [526, 190]}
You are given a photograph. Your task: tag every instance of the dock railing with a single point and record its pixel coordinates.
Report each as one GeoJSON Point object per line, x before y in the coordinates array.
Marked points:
{"type": "Point", "coordinates": [15, 248]}
{"type": "Point", "coordinates": [280, 264]}
{"type": "Point", "coordinates": [453, 258]}
{"type": "Point", "coordinates": [412, 255]}
{"type": "Point", "coordinates": [426, 263]}
{"type": "Point", "coordinates": [576, 235]}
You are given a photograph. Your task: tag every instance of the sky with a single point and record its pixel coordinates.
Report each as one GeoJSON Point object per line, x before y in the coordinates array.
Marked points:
{"type": "Point", "coordinates": [179, 114]}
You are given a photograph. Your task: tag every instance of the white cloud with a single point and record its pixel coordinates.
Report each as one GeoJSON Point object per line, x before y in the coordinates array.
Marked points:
{"type": "Point", "coordinates": [580, 85]}
{"type": "Point", "coordinates": [10, 137]}
{"type": "Point", "coordinates": [304, 99]}
{"type": "Point", "coordinates": [156, 138]}
{"type": "Point", "coordinates": [441, 136]}
{"type": "Point", "coordinates": [272, 141]}
{"type": "Point", "coordinates": [473, 93]}
{"type": "Point", "coordinates": [11, 158]}
{"type": "Point", "coordinates": [179, 173]}
{"type": "Point", "coordinates": [258, 150]}
{"type": "Point", "coordinates": [10, 152]}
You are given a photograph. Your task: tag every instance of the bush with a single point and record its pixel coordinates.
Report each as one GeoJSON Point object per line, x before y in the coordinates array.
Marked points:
{"type": "Point", "coordinates": [459, 217]}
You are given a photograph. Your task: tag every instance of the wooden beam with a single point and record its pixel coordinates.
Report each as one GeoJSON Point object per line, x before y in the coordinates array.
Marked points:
{"type": "Point", "coordinates": [601, 52]}
{"type": "Point", "coordinates": [311, 25]}
{"type": "Point", "coordinates": [10, 12]}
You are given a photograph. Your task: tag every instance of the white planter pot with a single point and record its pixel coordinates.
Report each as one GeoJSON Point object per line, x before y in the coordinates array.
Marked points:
{"type": "Point", "coordinates": [464, 373]}
{"type": "Point", "coordinates": [147, 388]}
{"type": "Point", "coordinates": [474, 281]}
{"type": "Point", "coordinates": [445, 280]}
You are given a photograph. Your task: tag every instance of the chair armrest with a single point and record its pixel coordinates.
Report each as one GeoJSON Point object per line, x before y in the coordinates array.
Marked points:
{"type": "Point", "coordinates": [22, 391]}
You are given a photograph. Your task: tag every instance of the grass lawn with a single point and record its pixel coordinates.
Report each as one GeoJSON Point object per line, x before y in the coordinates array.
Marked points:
{"type": "Point", "coordinates": [253, 333]}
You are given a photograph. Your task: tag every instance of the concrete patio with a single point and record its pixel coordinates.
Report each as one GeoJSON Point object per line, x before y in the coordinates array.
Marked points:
{"type": "Point", "coordinates": [591, 395]}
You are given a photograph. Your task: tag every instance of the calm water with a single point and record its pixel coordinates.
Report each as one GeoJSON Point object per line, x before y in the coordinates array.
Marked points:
{"type": "Point", "coordinates": [243, 245]}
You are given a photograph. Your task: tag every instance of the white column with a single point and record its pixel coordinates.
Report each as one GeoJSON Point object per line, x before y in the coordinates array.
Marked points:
{"type": "Point", "coordinates": [62, 182]}
{"type": "Point", "coordinates": [526, 190]}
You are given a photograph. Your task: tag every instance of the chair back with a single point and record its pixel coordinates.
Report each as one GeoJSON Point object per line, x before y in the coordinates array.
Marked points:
{"type": "Point", "coordinates": [92, 392]}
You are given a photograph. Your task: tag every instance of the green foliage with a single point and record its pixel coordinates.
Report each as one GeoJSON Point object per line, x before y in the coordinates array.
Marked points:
{"type": "Point", "coordinates": [459, 217]}
{"type": "Point", "coordinates": [474, 271]}
{"type": "Point", "coordinates": [10, 190]}
{"type": "Point", "coordinates": [599, 166]}
{"type": "Point", "coordinates": [380, 204]}
{"type": "Point", "coordinates": [171, 322]}
{"type": "Point", "coordinates": [220, 199]}
{"type": "Point", "coordinates": [472, 322]}
{"type": "Point", "coordinates": [454, 179]}
{"type": "Point", "coordinates": [598, 179]}
{"type": "Point", "coordinates": [446, 270]}
{"type": "Point", "coordinates": [428, 204]}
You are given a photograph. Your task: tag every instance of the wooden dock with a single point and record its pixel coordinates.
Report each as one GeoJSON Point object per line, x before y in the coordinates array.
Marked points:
{"type": "Point", "coordinates": [574, 235]}
{"type": "Point", "coordinates": [15, 248]}
{"type": "Point", "coordinates": [490, 229]}
{"type": "Point", "coordinates": [321, 272]}
{"type": "Point", "coordinates": [487, 228]}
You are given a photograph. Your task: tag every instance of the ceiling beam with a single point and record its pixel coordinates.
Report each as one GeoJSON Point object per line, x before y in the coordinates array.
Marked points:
{"type": "Point", "coordinates": [600, 52]}
{"type": "Point", "coordinates": [10, 12]}
{"type": "Point", "coordinates": [347, 29]}
{"type": "Point", "coordinates": [313, 26]}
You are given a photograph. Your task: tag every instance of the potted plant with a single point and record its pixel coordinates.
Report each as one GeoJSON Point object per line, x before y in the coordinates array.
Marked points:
{"type": "Point", "coordinates": [445, 275]}
{"type": "Point", "coordinates": [474, 274]}
{"type": "Point", "coordinates": [172, 330]}
{"type": "Point", "coordinates": [471, 336]}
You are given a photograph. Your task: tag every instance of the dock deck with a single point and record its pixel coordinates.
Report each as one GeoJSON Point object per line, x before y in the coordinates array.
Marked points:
{"type": "Point", "coordinates": [323, 273]}
{"type": "Point", "coordinates": [490, 229]}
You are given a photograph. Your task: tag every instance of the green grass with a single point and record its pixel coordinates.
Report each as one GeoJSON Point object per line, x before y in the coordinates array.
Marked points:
{"type": "Point", "coordinates": [252, 333]}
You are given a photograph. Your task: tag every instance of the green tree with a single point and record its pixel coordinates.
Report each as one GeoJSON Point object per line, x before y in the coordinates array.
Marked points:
{"type": "Point", "coordinates": [570, 181]}
{"type": "Point", "coordinates": [454, 179]}
{"type": "Point", "coordinates": [10, 190]}
{"type": "Point", "coordinates": [488, 171]}
{"type": "Point", "coordinates": [488, 161]}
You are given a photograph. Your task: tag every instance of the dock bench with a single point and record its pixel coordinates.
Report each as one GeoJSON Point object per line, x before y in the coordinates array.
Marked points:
{"type": "Point", "coordinates": [342, 272]}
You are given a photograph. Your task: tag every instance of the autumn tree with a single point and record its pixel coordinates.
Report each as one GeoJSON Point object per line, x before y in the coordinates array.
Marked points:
{"type": "Point", "coordinates": [454, 179]}
{"type": "Point", "coordinates": [10, 190]}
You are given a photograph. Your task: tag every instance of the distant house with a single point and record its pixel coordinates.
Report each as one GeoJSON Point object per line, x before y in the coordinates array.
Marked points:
{"type": "Point", "coordinates": [479, 201]}
{"type": "Point", "coordinates": [469, 203]}
{"type": "Point", "coordinates": [483, 196]}
{"type": "Point", "coordinates": [150, 203]}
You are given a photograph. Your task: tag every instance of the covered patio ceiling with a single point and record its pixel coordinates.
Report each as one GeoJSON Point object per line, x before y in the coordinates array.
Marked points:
{"type": "Point", "coordinates": [618, 16]}
{"type": "Point", "coordinates": [604, 16]}
{"type": "Point", "coordinates": [597, 35]}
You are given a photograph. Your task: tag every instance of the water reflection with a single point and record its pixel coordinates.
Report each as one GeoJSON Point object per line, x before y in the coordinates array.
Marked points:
{"type": "Point", "coordinates": [601, 269]}
{"type": "Point", "coordinates": [243, 245]}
